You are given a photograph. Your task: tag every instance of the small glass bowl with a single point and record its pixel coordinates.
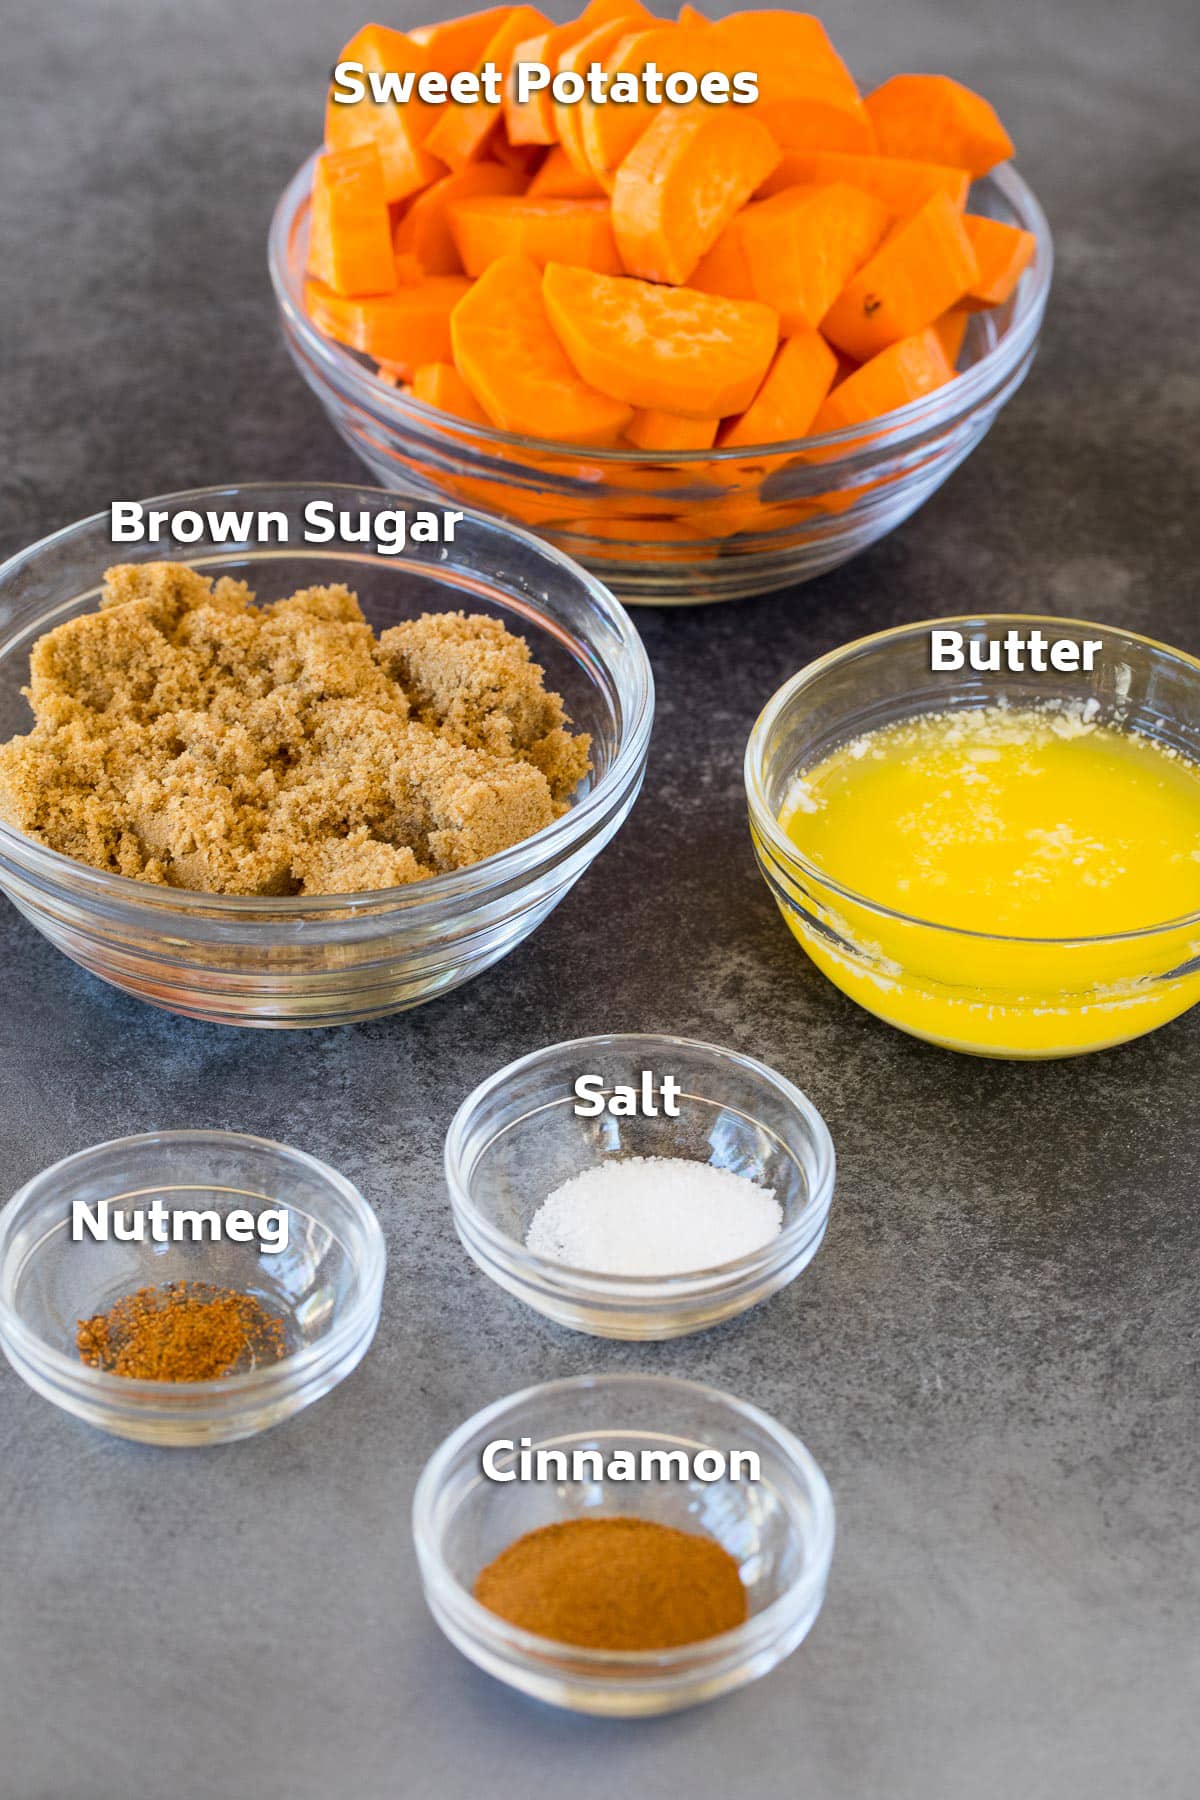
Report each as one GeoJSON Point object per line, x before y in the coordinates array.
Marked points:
{"type": "Point", "coordinates": [779, 1530]}
{"type": "Point", "coordinates": [517, 1137]}
{"type": "Point", "coordinates": [326, 1286]}
{"type": "Point", "coordinates": [700, 525]}
{"type": "Point", "coordinates": [973, 991]}
{"type": "Point", "coordinates": [334, 959]}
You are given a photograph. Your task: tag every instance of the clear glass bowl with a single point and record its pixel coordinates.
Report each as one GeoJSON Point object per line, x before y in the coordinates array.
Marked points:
{"type": "Point", "coordinates": [326, 1286]}
{"type": "Point", "coordinates": [779, 1530]}
{"type": "Point", "coordinates": [330, 960]}
{"type": "Point", "coordinates": [517, 1137]}
{"type": "Point", "coordinates": [973, 991]}
{"type": "Point", "coordinates": [700, 525]}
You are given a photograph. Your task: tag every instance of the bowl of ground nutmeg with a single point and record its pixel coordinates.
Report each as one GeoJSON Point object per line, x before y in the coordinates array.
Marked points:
{"type": "Point", "coordinates": [266, 780]}
{"type": "Point", "coordinates": [623, 1544]}
{"type": "Point", "coordinates": [188, 1287]}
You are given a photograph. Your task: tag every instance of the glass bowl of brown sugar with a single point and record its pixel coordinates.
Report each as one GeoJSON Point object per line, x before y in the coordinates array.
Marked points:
{"type": "Point", "coordinates": [485, 1504]}
{"type": "Point", "coordinates": [188, 1287]}
{"type": "Point", "coordinates": [275, 946]}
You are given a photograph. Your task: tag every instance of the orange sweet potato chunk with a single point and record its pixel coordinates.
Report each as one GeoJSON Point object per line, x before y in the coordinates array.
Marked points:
{"type": "Point", "coordinates": [1003, 253]}
{"type": "Point", "coordinates": [671, 348]}
{"type": "Point", "coordinates": [424, 230]}
{"type": "Point", "coordinates": [804, 245]}
{"type": "Point", "coordinates": [349, 233]}
{"type": "Point", "coordinates": [403, 329]}
{"type": "Point", "coordinates": [459, 43]}
{"type": "Point", "coordinates": [902, 185]}
{"type": "Point", "coordinates": [681, 184]}
{"type": "Point", "coordinates": [462, 132]}
{"type": "Point", "coordinates": [439, 384]}
{"type": "Point", "coordinates": [578, 232]}
{"type": "Point", "coordinates": [922, 269]}
{"type": "Point", "coordinates": [512, 361]}
{"type": "Point", "coordinates": [399, 130]}
{"type": "Point", "coordinates": [594, 45]}
{"type": "Point", "coordinates": [938, 120]}
{"type": "Point", "coordinates": [898, 375]}
{"type": "Point", "coordinates": [652, 429]}
{"type": "Point", "coordinates": [792, 391]}
{"type": "Point", "coordinates": [559, 179]}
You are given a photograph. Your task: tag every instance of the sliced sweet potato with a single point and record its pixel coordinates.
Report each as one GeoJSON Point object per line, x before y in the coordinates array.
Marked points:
{"type": "Point", "coordinates": [350, 233]}
{"type": "Point", "coordinates": [578, 232]}
{"type": "Point", "coordinates": [680, 185]}
{"type": "Point", "coordinates": [923, 268]}
{"type": "Point", "coordinates": [1003, 253]}
{"type": "Point", "coordinates": [901, 184]}
{"type": "Point", "coordinates": [951, 329]}
{"type": "Point", "coordinates": [460, 43]}
{"type": "Point", "coordinates": [790, 396]}
{"type": "Point", "coordinates": [439, 384]}
{"type": "Point", "coordinates": [399, 130]}
{"type": "Point", "coordinates": [791, 52]}
{"type": "Point", "coordinates": [804, 245]}
{"type": "Point", "coordinates": [594, 46]}
{"type": "Point", "coordinates": [898, 375]}
{"type": "Point", "coordinates": [462, 132]}
{"type": "Point", "coordinates": [815, 122]}
{"type": "Point", "coordinates": [535, 120]}
{"type": "Point", "coordinates": [652, 429]}
{"type": "Point", "coordinates": [673, 348]}
{"type": "Point", "coordinates": [512, 361]}
{"type": "Point", "coordinates": [559, 179]}
{"type": "Point", "coordinates": [424, 231]}
{"type": "Point", "coordinates": [609, 129]}
{"type": "Point", "coordinates": [938, 120]}
{"type": "Point", "coordinates": [404, 329]}
{"type": "Point", "coordinates": [726, 267]}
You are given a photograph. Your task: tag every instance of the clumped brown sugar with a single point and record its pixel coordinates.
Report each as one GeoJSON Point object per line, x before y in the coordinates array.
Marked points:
{"type": "Point", "coordinates": [185, 736]}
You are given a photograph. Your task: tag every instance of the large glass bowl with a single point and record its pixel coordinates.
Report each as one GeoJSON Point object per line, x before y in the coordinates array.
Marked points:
{"type": "Point", "coordinates": [973, 990]}
{"type": "Point", "coordinates": [699, 525]}
{"type": "Point", "coordinates": [329, 960]}
{"type": "Point", "coordinates": [779, 1530]}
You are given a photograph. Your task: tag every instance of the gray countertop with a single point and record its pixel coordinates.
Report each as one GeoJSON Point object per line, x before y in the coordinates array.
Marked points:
{"type": "Point", "coordinates": [993, 1355]}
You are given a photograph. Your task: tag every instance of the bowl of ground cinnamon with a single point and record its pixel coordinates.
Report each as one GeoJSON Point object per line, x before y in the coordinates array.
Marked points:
{"type": "Point", "coordinates": [623, 1544]}
{"type": "Point", "coordinates": [289, 761]}
{"type": "Point", "coordinates": [188, 1287]}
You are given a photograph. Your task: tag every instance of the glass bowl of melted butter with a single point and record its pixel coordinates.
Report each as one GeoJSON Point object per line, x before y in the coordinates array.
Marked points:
{"type": "Point", "coordinates": [986, 831]}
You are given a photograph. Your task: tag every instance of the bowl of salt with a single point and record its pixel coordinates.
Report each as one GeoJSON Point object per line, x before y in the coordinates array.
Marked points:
{"type": "Point", "coordinates": [639, 1186]}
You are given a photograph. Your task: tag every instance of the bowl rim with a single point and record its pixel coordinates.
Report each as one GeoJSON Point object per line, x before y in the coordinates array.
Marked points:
{"type": "Point", "coordinates": [416, 899]}
{"type": "Point", "coordinates": [569, 1281]}
{"type": "Point", "coordinates": [101, 1384]}
{"type": "Point", "coordinates": [749, 1636]}
{"type": "Point", "coordinates": [764, 822]}
{"type": "Point", "coordinates": [901, 424]}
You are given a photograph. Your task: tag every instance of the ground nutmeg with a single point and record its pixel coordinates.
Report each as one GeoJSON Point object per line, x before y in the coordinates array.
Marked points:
{"type": "Point", "coordinates": [615, 1584]}
{"type": "Point", "coordinates": [184, 1331]}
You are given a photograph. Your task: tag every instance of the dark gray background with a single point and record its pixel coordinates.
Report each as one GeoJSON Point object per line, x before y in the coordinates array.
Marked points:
{"type": "Point", "coordinates": [993, 1356]}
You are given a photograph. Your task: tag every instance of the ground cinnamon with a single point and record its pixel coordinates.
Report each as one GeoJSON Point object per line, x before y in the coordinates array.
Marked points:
{"type": "Point", "coordinates": [615, 1584]}
{"type": "Point", "coordinates": [185, 1331]}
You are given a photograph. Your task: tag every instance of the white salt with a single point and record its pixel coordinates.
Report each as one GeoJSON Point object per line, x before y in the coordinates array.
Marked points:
{"type": "Point", "coordinates": [654, 1215]}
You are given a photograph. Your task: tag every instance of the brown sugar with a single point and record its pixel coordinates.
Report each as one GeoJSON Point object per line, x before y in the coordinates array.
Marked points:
{"type": "Point", "coordinates": [615, 1584]}
{"type": "Point", "coordinates": [185, 1331]}
{"type": "Point", "coordinates": [186, 736]}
